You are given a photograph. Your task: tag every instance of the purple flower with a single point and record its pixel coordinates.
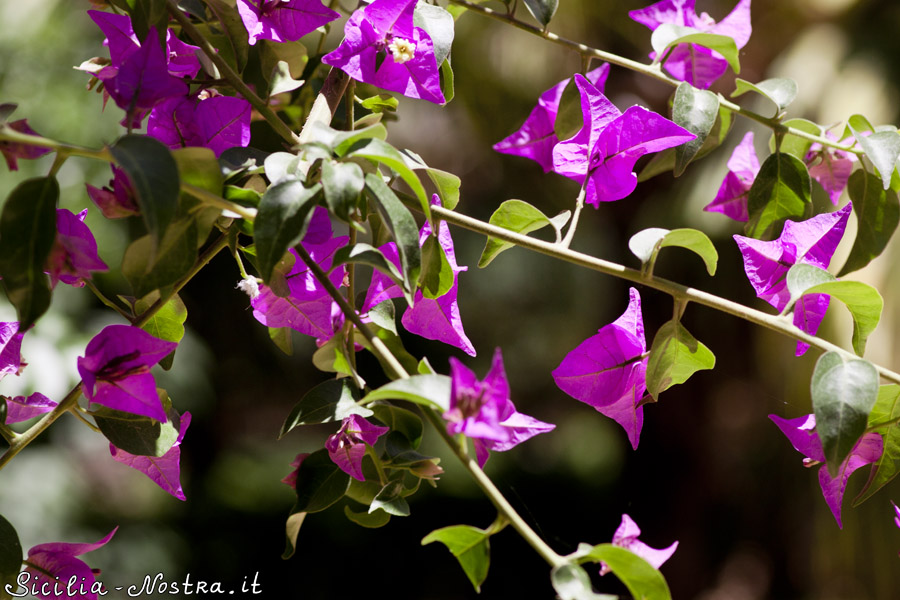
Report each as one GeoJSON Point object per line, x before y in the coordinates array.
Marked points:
{"type": "Point", "coordinates": [291, 478]}
{"type": "Point", "coordinates": [626, 537]}
{"type": "Point", "coordinates": [800, 433]}
{"type": "Point", "coordinates": [74, 253]}
{"type": "Point", "coordinates": [897, 514]}
{"type": "Point", "coordinates": [20, 408]}
{"type": "Point", "coordinates": [115, 370]}
{"type": "Point", "coordinates": [830, 167]}
{"type": "Point", "coordinates": [212, 121]}
{"type": "Point", "coordinates": [431, 318]}
{"type": "Point", "coordinates": [608, 370]}
{"type": "Point", "coordinates": [283, 20]}
{"type": "Point", "coordinates": [536, 137]}
{"type": "Point", "coordinates": [731, 199]}
{"type": "Point", "coordinates": [10, 348]}
{"type": "Point", "coordinates": [117, 199]}
{"type": "Point", "coordinates": [382, 47]}
{"type": "Point", "coordinates": [12, 151]}
{"type": "Point", "coordinates": [605, 149]}
{"type": "Point", "coordinates": [482, 410]}
{"type": "Point", "coordinates": [695, 64]}
{"type": "Point", "coordinates": [308, 308]}
{"type": "Point", "coordinates": [810, 242]}
{"type": "Point", "coordinates": [348, 446]}
{"type": "Point", "coordinates": [165, 470]}
{"type": "Point", "coordinates": [58, 559]}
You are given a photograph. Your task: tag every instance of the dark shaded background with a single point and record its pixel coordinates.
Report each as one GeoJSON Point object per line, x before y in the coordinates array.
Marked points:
{"type": "Point", "coordinates": [711, 471]}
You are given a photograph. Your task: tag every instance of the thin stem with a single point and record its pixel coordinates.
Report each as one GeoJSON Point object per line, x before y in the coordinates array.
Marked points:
{"type": "Point", "coordinates": [8, 134]}
{"type": "Point", "coordinates": [351, 297]}
{"type": "Point", "coordinates": [215, 201]}
{"type": "Point", "coordinates": [676, 290]}
{"type": "Point", "coordinates": [76, 410]}
{"type": "Point", "coordinates": [579, 204]}
{"type": "Point", "coordinates": [90, 285]}
{"type": "Point", "coordinates": [653, 71]}
{"type": "Point", "coordinates": [495, 496]}
{"type": "Point", "coordinates": [8, 434]}
{"type": "Point", "coordinates": [280, 127]}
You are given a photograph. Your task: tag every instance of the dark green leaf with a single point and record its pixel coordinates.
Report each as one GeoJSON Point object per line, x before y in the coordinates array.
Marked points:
{"type": "Point", "coordinates": [520, 217]}
{"type": "Point", "coordinates": [342, 183]}
{"type": "Point", "coordinates": [674, 356]}
{"type": "Point", "coordinates": [695, 110]}
{"type": "Point", "coordinates": [542, 10]}
{"type": "Point", "coordinates": [886, 410]}
{"type": "Point", "coordinates": [27, 234]}
{"type": "Point", "coordinates": [669, 35]}
{"type": "Point", "coordinates": [432, 391]}
{"type": "Point", "coordinates": [437, 274]}
{"type": "Point", "coordinates": [883, 149]}
{"type": "Point", "coordinates": [167, 324]}
{"type": "Point", "coordinates": [328, 402]}
{"type": "Point", "coordinates": [281, 221]}
{"type": "Point", "coordinates": [390, 499]}
{"type": "Point", "coordinates": [154, 174]}
{"type": "Point", "coordinates": [439, 26]}
{"type": "Point", "coordinates": [146, 14]}
{"type": "Point", "coordinates": [471, 547]}
{"type": "Point", "coordinates": [371, 520]}
{"type": "Point", "coordinates": [447, 184]}
{"type": "Point", "coordinates": [199, 167]}
{"type": "Point", "coordinates": [403, 227]}
{"type": "Point", "coordinates": [175, 255]}
{"type": "Point", "coordinates": [320, 483]}
{"type": "Point", "coordinates": [382, 315]}
{"type": "Point", "coordinates": [137, 434]}
{"type": "Point", "coordinates": [664, 161]}
{"type": "Point", "coordinates": [393, 343]}
{"type": "Point", "coordinates": [877, 214]}
{"type": "Point", "coordinates": [569, 117]}
{"type": "Point", "coordinates": [10, 558]}
{"type": "Point", "coordinates": [572, 582]}
{"type": "Point", "coordinates": [795, 145]}
{"type": "Point", "coordinates": [400, 420]}
{"type": "Point", "coordinates": [778, 91]}
{"type": "Point", "coordinates": [383, 153]}
{"type": "Point", "coordinates": [365, 254]}
{"type": "Point", "coordinates": [782, 190]}
{"type": "Point", "coordinates": [332, 357]}
{"type": "Point", "coordinates": [234, 27]}
{"type": "Point", "coordinates": [843, 393]}
{"type": "Point", "coordinates": [639, 576]}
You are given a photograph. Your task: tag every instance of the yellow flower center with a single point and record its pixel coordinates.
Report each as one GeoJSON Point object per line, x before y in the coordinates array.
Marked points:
{"type": "Point", "coordinates": [402, 50]}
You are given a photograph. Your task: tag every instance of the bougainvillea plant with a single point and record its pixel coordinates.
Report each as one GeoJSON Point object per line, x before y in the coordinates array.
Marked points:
{"type": "Point", "coordinates": [338, 200]}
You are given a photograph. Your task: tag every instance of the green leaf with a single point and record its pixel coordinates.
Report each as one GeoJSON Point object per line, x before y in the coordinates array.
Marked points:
{"type": "Point", "coordinates": [10, 558]}
{"type": "Point", "coordinates": [382, 315]}
{"type": "Point", "coordinates": [664, 161]}
{"type": "Point", "coordinates": [779, 91]}
{"type": "Point", "coordinates": [801, 277]}
{"type": "Point", "coordinates": [639, 576]}
{"type": "Point", "coordinates": [402, 225]}
{"type": "Point", "coordinates": [137, 434]}
{"type": "Point", "coordinates": [291, 530]}
{"type": "Point", "coordinates": [27, 234]}
{"type": "Point", "coordinates": [393, 343]}
{"type": "Point", "coordinates": [471, 547]}
{"type": "Point", "coordinates": [154, 174]}
{"type": "Point", "coordinates": [390, 499]}
{"type": "Point", "coordinates": [6, 110]}
{"type": "Point", "coordinates": [175, 254]}
{"type": "Point", "coordinates": [281, 222]}
{"type": "Point", "coordinates": [843, 393]}
{"type": "Point", "coordinates": [439, 25]}
{"type": "Point", "coordinates": [167, 324]}
{"type": "Point", "coordinates": [695, 110]}
{"type": "Point", "coordinates": [432, 391]}
{"type": "Point", "coordinates": [380, 103]}
{"type": "Point", "coordinates": [669, 35]}
{"type": "Point", "coordinates": [447, 184]}
{"type": "Point", "coordinates": [328, 402]}
{"type": "Point", "coordinates": [647, 243]}
{"type": "Point", "coordinates": [383, 153]}
{"type": "Point", "coordinates": [146, 14]}
{"type": "Point", "coordinates": [342, 183]}
{"type": "Point", "coordinates": [795, 145]}
{"type": "Point", "coordinates": [886, 410]}
{"type": "Point", "coordinates": [280, 80]}
{"type": "Point", "coordinates": [542, 10]}
{"type": "Point", "coordinates": [234, 28]}
{"type": "Point", "coordinates": [883, 149]}
{"type": "Point", "coordinates": [341, 141]}
{"type": "Point", "coordinates": [877, 214]}
{"type": "Point", "coordinates": [519, 217]}
{"type": "Point", "coordinates": [320, 483]}
{"type": "Point", "coordinates": [864, 303]}
{"type": "Point", "coordinates": [400, 420]}
{"type": "Point", "coordinates": [447, 82]}
{"type": "Point", "coordinates": [283, 339]}
{"type": "Point", "coordinates": [371, 520]}
{"type": "Point", "coordinates": [365, 254]}
{"type": "Point", "coordinates": [569, 117]}
{"type": "Point", "coordinates": [572, 582]}
{"type": "Point", "coordinates": [437, 274]}
{"type": "Point", "coordinates": [332, 357]}
{"type": "Point", "coordinates": [199, 167]}
{"type": "Point", "coordinates": [782, 190]}
{"type": "Point", "coordinates": [674, 356]}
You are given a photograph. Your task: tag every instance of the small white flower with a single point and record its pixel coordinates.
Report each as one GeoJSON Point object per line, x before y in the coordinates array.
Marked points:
{"type": "Point", "coordinates": [403, 50]}
{"type": "Point", "coordinates": [249, 286]}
